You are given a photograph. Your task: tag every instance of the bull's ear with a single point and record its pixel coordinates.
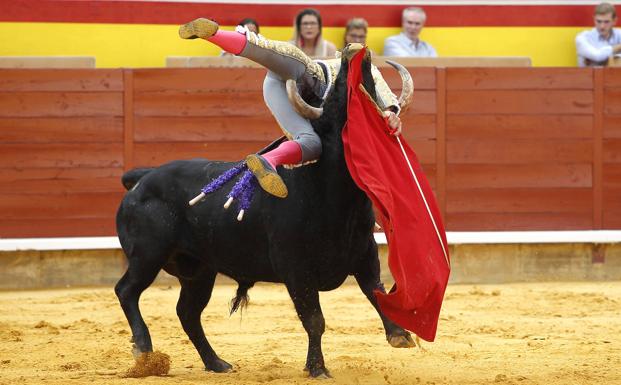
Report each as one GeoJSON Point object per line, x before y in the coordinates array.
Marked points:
{"type": "Point", "coordinates": [302, 108]}
{"type": "Point", "coordinates": [407, 88]}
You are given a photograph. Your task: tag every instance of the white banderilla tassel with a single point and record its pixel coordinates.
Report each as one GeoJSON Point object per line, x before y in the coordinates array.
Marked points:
{"type": "Point", "coordinates": [228, 203]}
{"type": "Point", "coordinates": [197, 198]}
{"type": "Point", "coordinates": [240, 216]}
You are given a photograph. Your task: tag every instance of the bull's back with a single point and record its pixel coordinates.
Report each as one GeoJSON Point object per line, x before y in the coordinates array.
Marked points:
{"type": "Point", "coordinates": [205, 232]}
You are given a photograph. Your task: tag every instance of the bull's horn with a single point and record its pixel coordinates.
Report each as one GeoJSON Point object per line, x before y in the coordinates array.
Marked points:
{"type": "Point", "coordinates": [303, 108]}
{"type": "Point", "coordinates": [407, 89]}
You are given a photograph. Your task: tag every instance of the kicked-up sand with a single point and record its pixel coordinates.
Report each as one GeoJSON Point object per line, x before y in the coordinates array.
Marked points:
{"type": "Point", "coordinates": [535, 333]}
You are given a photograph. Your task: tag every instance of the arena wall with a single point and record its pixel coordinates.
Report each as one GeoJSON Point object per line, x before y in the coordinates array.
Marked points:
{"type": "Point", "coordinates": [504, 148]}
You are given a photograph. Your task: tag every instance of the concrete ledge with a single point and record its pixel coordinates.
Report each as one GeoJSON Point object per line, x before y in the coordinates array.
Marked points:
{"type": "Point", "coordinates": [477, 257]}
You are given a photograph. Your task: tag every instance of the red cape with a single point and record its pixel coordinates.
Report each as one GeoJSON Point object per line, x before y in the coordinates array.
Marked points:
{"type": "Point", "coordinates": [416, 258]}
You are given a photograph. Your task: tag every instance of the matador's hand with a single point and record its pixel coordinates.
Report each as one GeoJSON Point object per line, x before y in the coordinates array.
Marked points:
{"type": "Point", "coordinates": [394, 122]}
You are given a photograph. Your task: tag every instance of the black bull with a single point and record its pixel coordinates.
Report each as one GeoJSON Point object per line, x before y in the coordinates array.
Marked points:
{"type": "Point", "coordinates": [310, 241]}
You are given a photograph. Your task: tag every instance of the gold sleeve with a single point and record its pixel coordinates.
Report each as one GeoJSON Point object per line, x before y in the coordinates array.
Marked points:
{"type": "Point", "coordinates": [385, 97]}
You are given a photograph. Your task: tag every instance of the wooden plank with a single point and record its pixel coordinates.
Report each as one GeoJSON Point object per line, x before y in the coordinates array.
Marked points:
{"type": "Point", "coordinates": [612, 220]}
{"type": "Point", "coordinates": [244, 128]}
{"type": "Point", "coordinates": [63, 155]}
{"type": "Point", "coordinates": [60, 180]}
{"type": "Point", "coordinates": [463, 176]}
{"type": "Point", "coordinates": [519, 126]}
{"type": "Point", "coordinates": [612, 151]}
{"type": "Point", "coordinates": [518, 221]}
{"type": "Point", "coordinates": [57, 227]}
{"type": "Point", "coordinates": [598, 116]}
{"type": "Point", "coordinates": [423, 102]}
{"type": "Point", "coordinates": [612, 126]}
{"type": "Point", "coordinates": [425, 150]}
{"type": "Point", "coordinates": [612, 207]}
{"type": "Point", "coordinates": [519, 78]}
{"type": "Point", "coordinates": [520, 200]}
{"type": "Point", "coordinates": [612, 101]}
{"type": "Point", "coordinates": [128, 119]}
{"type": "Point", "coordinates": [199, 79]}
{"type": "Point", "coordinates": [611, 200]}
{"type": "Point", "coordinates": [612, 176]}
{"type": "Point", "coordinates": [198, 129]}
{"type": "Point", "coordinates": [61, 130]}
{"type": "Point", "coordinates": [61, 80]}
{"type": "Point", "coordinates": [519, 102]}
{"type": "Point", "coordinates": [612, 77]}
{"type": "Point", "coordinates": [60, 104]}
{"type": "Point", "coordinates": [209, 104]}
{"type": "Point", "coordinates": [155, 154]}
{"type": "Point", "coordinates": [519, 151]}
{"type": "Point", "coordinates": [441, 141]}
{"type": "Point", "coordinates": [424, 78]}
{"type": "Point", "coordinates": [430, 170]}
{"type": "Point", "coordinates": [75, 205]}
{"type": "Point", "coordinates": [418, 126]}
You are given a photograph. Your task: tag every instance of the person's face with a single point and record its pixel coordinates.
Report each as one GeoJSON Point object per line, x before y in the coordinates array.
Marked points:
{"type": "Point", "coordinates": [413, 23]}
{"type": "Point", "coordinates": [251, 27]}
{"type": "Point", "coordinates": [604, 24]}
{"type": "Point", "coordinates": [356, 35]}
{"type": "Point", "coordinates": [309, 27]}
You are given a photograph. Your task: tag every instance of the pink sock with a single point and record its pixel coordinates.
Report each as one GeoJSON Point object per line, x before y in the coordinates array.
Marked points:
{"type": "Point", "coordinates": [232, 42]}
{"type": "Point", "coordinates": [288, 152]}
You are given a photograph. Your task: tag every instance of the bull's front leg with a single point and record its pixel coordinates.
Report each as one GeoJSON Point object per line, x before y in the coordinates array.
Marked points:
{"type": "Point", "coordinates": [368, 278]}
{"type": "Point", "coordinates": [306, 302]}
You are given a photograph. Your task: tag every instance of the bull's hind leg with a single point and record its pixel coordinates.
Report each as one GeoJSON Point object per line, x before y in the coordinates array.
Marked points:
{"type": "Point", "coordinates": [306, 302]}
{"type": "Point", "coordinates": [194, 296]}
{"type": "Point", "coordinates": [147, 245]}
{"type": "Point", "coordinates": [368, 278]}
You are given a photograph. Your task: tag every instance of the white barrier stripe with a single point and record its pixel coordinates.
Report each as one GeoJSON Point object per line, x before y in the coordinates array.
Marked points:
{"type": "Point", "coordinates": [425, 201]}
{"type": "Point", "coordinates": [453, 238]}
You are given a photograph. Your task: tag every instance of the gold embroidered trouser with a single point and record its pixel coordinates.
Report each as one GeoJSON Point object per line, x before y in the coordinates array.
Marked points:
{"type": "Point", "coordinates": [285, 61]}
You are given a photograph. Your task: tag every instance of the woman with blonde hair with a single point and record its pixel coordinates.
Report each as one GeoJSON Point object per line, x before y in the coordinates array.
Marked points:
{"type": "Point", "coordinates": [307, 35]}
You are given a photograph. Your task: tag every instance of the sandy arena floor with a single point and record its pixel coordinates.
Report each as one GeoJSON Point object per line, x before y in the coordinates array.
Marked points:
{"type": "Point", "coordinates": [552, 333]}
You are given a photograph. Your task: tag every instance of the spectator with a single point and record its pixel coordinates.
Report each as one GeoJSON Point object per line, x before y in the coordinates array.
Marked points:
{"type": "Point", "coordinates": [356, 31]}
{"type": "Point", "coordinates": [595, 46]}
{"type": "Point", "coordinates": [307, 35]}
{"type": "Point", "coordinates": [248, 23]}
{"type": "Point", "coordinates": [408, 42]}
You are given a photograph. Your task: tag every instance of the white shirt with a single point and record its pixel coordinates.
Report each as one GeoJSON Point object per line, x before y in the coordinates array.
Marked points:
{"type": "Point", "coordinates": [594, 48]}
{"type": "Point", "coordinates": [401, 45]}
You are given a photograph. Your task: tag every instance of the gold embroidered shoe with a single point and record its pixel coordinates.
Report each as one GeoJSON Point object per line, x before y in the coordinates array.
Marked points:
{"type": "Point", "coordinates": [199, 28]}
{"type": "Point", "coordinates": [267, 176]}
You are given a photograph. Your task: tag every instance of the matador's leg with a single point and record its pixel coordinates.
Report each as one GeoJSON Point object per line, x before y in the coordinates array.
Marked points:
{"type": "Point", "coordinates": [284, 61]}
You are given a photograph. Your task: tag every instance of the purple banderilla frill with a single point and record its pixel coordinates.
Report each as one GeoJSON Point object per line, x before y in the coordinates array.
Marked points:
{"type": "Point", "coordinates": [242, 190]}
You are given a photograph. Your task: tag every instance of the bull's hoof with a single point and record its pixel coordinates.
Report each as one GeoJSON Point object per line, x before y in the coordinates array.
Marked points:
{"type": "Point", "coordinates": [401, 341]}
{"type": "Point", "coordinates": [219, 366]}
{"type": "Point", "coordinates": [136, 351]}
{"type": "Point", "coordinates": [318, 373]}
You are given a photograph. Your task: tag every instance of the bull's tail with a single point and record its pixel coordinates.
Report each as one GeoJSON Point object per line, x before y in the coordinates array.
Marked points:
{"type": "Point", "coordinates": [130, 178]}
{"type": "Point", "coordinates": [240, 301]}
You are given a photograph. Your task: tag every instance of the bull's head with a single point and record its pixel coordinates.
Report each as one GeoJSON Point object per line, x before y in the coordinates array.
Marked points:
{"type": "Point", "coordinates": [313, 113]}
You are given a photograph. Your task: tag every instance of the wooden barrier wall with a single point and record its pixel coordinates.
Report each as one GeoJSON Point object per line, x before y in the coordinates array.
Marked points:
{"type": "Point", "coordinates": [504, 148]}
